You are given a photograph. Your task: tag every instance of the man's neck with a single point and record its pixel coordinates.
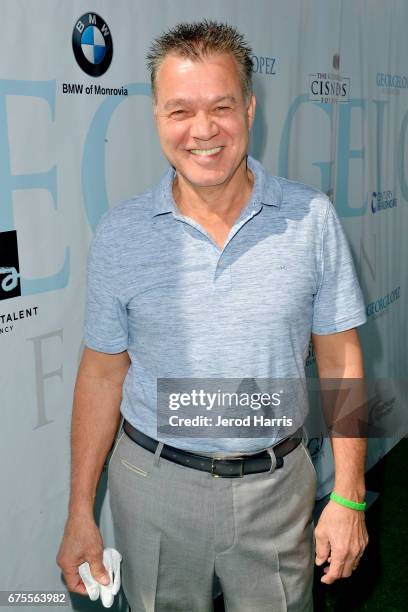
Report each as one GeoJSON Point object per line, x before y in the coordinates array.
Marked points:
{"type": "Point", "coordinates": [222, 202]}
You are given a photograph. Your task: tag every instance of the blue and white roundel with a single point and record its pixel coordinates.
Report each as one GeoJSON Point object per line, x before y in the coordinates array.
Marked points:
{"type": "Point", "coordinates": [93, 45]}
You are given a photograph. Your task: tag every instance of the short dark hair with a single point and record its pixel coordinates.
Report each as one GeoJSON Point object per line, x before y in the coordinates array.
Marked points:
{"type": "Point", "coordinates": [200, 39]}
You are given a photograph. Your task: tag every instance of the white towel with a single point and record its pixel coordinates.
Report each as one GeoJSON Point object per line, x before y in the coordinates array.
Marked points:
{"type": "Point", "coordinates": [111, 561]}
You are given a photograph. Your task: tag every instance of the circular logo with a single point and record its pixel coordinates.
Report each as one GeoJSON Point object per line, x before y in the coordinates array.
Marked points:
{"type": "Point", "coordinates": [92, 44]}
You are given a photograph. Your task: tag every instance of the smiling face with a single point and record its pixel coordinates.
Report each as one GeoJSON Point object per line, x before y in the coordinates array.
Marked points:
{"type": "Point", "coordinates": [202, 118]}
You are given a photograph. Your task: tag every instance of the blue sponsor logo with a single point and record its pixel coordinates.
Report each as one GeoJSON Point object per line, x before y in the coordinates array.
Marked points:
{"type": "Point", "coordinates": [263, 65]}
{"type": "Point", "coordinates": [392, 81]}
{"type": "Point", "coordinates": [382, 200]}
{"type": "Point", "coordinates": [381, 305]}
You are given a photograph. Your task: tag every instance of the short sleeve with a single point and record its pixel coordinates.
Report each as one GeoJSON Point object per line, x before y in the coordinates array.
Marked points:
{"type": "Point", "coordinates": [338, 303]}
{"type": "Point", "coordinates": [105, 328]}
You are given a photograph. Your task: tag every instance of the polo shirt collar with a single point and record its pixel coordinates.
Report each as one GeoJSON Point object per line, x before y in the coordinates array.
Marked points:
{"type": "Point", "coordinates": [266, 190]}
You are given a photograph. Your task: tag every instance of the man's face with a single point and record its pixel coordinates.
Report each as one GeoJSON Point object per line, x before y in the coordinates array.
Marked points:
{"type": "Point", "coordinates": [202, 118]}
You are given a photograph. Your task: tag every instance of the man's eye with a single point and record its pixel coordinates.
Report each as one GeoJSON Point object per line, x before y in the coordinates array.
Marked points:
{"type": "Point", "coordinates": [223, 108]}
{"type": "Point", "coordinates": [178, 113]}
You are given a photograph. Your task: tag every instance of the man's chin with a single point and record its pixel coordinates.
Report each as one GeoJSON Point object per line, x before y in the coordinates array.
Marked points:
{"type": "Point", "coordinates": [204, 179]}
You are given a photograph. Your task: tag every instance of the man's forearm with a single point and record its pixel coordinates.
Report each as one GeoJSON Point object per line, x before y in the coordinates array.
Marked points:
{"type": "Point", "coordinates": [344, 397]}
{"type": "Point", "coordinates": [345, 410]}
{"type": "Point", "coordinates": [349, 459]}
{"type": "Point", "coordinates": [95, 420]}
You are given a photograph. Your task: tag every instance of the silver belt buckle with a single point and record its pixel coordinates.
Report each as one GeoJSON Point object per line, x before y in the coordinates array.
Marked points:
{"type": "Point", "coordinates": [213, 468]}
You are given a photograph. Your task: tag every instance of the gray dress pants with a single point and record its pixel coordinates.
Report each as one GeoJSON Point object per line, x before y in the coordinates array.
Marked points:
{"type": "Point", "coordinates": [177, 527]}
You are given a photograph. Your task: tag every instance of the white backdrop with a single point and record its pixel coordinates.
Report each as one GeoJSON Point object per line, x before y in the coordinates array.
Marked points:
{"type": "Point", "coordinates": [66, 156]}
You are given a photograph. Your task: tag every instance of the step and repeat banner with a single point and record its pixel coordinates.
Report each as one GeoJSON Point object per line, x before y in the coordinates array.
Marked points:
{"type": "Point", "coordinates": [77, 136]}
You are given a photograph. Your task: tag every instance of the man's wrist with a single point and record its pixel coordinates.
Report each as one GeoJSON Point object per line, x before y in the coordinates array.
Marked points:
{"type": "Point", "coordinates": [348, 503]}
{"type": "Point", "coordinates": [82, 508]}
{"type": "Point", "coordinates": [353, 492]}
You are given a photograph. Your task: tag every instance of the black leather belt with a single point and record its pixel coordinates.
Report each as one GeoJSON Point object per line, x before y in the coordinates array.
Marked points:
{"type": "Point", "coordinates": [235, 467]}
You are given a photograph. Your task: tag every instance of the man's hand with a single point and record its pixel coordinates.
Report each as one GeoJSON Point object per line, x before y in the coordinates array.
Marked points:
{"type": "Point", "coordinates": [95, 420]}
{"type": "Point", "coordinates": [82, 542]}
{"type": "Point", "coordinates": [341, 538]}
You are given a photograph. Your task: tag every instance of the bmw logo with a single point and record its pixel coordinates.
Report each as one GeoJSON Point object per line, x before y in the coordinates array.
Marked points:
{"type": "Point", "coordinates": [92, 44]}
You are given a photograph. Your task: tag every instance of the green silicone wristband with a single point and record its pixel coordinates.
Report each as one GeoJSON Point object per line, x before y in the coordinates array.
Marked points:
{"type": "Point", "coordinates": [347, 502]}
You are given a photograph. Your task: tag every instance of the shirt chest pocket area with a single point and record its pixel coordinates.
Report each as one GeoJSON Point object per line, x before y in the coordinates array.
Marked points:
{"type": "Point", "coordinates": [167, 295]}
{"type": "Point", "coordinates": [278, 290]}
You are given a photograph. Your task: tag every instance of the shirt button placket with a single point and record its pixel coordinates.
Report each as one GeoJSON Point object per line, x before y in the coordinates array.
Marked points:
{"type": "Point", "coordinates": [222, 276]}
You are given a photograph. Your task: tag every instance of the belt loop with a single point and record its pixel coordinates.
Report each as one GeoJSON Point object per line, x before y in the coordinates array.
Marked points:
{"type": "Point", "coordinates": [157, 453]}
{"type": "Point", "coordinates": [122, 424]}
{"type": "Point", "coordinates": [272, 455]}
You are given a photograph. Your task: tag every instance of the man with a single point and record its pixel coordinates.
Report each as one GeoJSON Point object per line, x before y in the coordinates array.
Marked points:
{"type": "Point", "coordinates": [221, 271]}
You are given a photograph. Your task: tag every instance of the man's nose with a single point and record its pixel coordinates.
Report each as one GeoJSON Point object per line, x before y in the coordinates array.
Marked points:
{"type": "Point", "coordinates": [203, 127]}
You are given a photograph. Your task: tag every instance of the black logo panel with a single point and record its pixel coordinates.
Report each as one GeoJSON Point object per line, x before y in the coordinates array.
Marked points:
{"type": "Point", "coordinates": [9, 266]}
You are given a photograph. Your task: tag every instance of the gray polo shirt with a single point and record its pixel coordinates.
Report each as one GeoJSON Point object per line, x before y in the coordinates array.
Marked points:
{"type": "Point", "coordinates": [159, 287]}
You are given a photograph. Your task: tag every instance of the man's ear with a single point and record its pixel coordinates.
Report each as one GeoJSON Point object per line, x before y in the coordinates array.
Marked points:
{"type": "Point", "coordinates": [251, 110]}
